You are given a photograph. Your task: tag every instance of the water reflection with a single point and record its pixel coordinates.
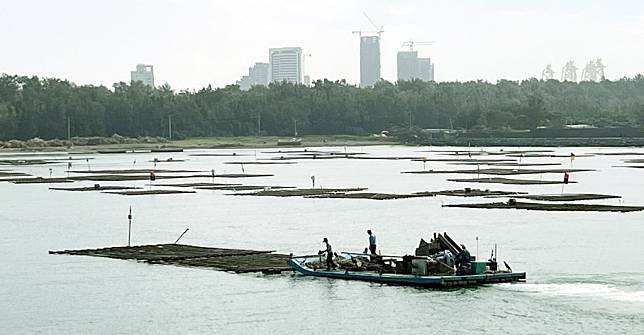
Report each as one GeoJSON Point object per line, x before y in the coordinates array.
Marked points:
{"type": "Point", "coordinates": [577, 269]}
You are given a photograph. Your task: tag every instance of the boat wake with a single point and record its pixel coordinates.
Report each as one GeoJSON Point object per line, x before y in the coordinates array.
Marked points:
{"type": "Point", "coordinates": [580, 290]}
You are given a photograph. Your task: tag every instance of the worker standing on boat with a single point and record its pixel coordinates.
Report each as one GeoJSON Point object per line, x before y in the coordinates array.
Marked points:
{"type": "Point", "coordinates": [372, 242]}
{"type": "Point", "coordinates": [330, 264]}
{"type": "Point", "coordinates": [463, 261]}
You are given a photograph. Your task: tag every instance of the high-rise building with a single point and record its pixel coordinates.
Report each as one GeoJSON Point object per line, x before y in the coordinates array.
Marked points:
{"type": "Point", "coordinates": [411, 67]}
{"type": "Point", "coordinates": [408, 67]}
{"type": "Point", "coordinates": [369, 60]}
{"type": "Point", "coordinates": [426, 68]}
{"type": "Point", "coordinates": [257, 75]}
{"type": "Point", "coordinates": [285, 64]}
{"type": "Point", "coordinates": [144, 73]}
{"type": "Point", "coordinates": [245, 83]}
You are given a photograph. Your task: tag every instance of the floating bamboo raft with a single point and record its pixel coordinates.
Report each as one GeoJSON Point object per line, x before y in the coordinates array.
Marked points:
{"type": "Point", "coordinates": [235, 260]}
{"type": "Point", "coordinates": [550, 207]}
{"type": "Point", "coordinates": [149, 192]}
{"type": "Point", "coordinates": [567, 197]}
{"type": "Point", "coordinates": [509, 181]}
{"type": "Point", "coordinates": [501, 172]}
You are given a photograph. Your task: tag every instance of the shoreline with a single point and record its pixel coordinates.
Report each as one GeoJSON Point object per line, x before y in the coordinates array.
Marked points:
{"type": "Point", "coordinates": [538, 142]}
{"type": "Point", "coordinates": [311, 141]}
{"type": "Point", "coordinates": [240, 142]}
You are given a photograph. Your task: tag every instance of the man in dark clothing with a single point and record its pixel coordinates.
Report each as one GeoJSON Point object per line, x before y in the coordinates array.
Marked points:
{"type": "Point", "coordinates": [372, 242]}
{"type": "Point", "coordinates": [463, 261]}
{"type": "Point", "coordinates": [330, 264]}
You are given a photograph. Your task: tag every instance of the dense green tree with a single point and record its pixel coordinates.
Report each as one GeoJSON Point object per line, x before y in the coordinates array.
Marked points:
{"type": "Point", "coordinates": [34, 107]}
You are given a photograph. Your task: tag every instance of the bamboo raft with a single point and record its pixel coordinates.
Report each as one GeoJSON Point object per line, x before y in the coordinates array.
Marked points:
{"type": "Point", "coordinates": [538, 206]}
{"type": "Point", "coordinates": [498, 172]}
{"type": "Point", "coordinates": [235, 260]}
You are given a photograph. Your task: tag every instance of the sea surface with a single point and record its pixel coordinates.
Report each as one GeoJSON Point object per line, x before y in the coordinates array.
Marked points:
{"type": "Point", "coordinates": [585, 270]}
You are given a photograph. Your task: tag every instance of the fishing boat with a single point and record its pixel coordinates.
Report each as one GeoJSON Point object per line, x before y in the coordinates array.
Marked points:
{"type": "Point", "coordinates": [292, 142]}
{"type": "Point", "coordinates": [431, 267]}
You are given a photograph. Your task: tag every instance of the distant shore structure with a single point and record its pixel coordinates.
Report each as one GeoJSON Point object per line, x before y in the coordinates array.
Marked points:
{"type": "Point", "coordinates": [369, 60]}
{"type": "Point", "coordinates": [592, 72]}
{"type": "Point", "coordinates": [143, 73]}
{"type": "Point", "coordinates": [410, 66]}
{"type": "Point", "coordinates": [257, 76]}
{"type": "Point", "coordinates": [369, 53]}
{"type": "Point", "coordinates": [285, 64]}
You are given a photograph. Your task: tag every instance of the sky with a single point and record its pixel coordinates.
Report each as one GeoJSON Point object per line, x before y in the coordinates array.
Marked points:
{"type": "Point", "coordinates": [195, 43]}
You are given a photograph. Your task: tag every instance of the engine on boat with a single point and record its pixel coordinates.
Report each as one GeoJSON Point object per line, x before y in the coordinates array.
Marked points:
{"type": "Point", "coordinates": [441, 256]}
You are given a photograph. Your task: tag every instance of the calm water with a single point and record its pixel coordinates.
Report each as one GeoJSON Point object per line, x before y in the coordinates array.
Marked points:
{"type": "Point", "coordinates": [585, 270]}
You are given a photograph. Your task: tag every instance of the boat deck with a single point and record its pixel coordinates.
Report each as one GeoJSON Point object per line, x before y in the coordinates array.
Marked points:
{"type": "Point", "coordinates": [413, 280]}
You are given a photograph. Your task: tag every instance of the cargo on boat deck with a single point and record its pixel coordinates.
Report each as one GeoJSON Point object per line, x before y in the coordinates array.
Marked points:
{"type": "Point", "coordinates": [439, 263]}
{"type": "Point", "coordinates": [478, 267]}
{"type": "Point", "coordinates": [419, 266]}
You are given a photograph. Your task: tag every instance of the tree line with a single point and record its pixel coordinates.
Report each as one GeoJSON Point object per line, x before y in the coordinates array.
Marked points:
{"type": "Point", "coordinates": [34, 107]}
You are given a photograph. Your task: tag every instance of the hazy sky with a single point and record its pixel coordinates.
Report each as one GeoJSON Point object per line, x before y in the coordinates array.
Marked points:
{"type": "Point", "coordinates": [193, 43]}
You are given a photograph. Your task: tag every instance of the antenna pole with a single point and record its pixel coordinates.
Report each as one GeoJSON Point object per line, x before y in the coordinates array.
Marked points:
{"type": "Point", "coordinates": [477, 248]}
{"type": "Point", "coordinates": [180, 236]}
{"type": "Point", "coordinates": [129, 226]}
{"type": "Point", "coordinates": [170, 127]}
{"type": "Point", "coordinates": [259, 124]}
{"type": "Point", "coordinates": [69, 129]}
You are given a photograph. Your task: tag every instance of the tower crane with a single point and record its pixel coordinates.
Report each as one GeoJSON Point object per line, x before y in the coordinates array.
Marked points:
{"type": "Point", "coordinates": [304, 56]}
{"type": "Point", "coordinates": [378, 31]}
{"type": "Point", "coordinates": [360, 32]}
{"type": "Point", "coordinates": [411, 43]}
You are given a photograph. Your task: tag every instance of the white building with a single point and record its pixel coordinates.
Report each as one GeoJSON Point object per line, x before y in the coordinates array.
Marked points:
{"type": "Point", "coordinates": [144, 73]}
{"type": "Point", "coordinates": [411, 67]}
{"type": "Point", "coordinates": [369, 60]}
{"type": "Point", "coordinates": [426, 68]}
{"type": "Point", "coordinates": [257, 75]}
{"type": "Point", "coordinates": [285, 64]}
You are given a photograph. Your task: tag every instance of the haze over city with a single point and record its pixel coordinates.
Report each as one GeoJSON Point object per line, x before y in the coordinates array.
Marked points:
{"type": "Point", "coordinates": [198, 43]}
{"type": "Point", "coordinates": [321, 167]}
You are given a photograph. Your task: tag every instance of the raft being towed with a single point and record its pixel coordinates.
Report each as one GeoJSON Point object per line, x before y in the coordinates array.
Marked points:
{"type": "Point", "coordinates": [430, 267]}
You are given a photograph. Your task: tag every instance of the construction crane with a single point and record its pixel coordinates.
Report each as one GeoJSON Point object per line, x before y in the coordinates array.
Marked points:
{"type": "Point", "coordinates": [304, 64]}
{"type": "Point", "coordinates": [304, 56]}
{"type": "Point", "coordinates": [411, 43]}
{"type": "Point", "coordinates": [360, 32]}
{"type": "Point", "coordinates": [378, 30]}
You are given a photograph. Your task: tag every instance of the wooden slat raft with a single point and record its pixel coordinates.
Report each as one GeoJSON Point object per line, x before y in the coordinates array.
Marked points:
{"type": "Point", "coordinates": [538, 206]}
{"type": "Point", "coordinates": [497, 171]}
{"type": "Point", "coordinates": [236, 260]}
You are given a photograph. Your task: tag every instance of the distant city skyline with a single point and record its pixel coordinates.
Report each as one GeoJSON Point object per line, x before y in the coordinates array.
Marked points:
{"type": "Point", "coordinates": [285, 64]}
{"type": "Point", "coordinates": [198, 43]}
{"type": "Point", "coordinates": [143, 73]}
{"type": "Point", "coordinates": [411, 67]}
{"type": "Point", "coordinates": [257, 75]}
